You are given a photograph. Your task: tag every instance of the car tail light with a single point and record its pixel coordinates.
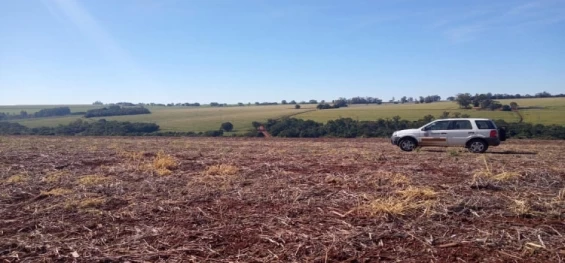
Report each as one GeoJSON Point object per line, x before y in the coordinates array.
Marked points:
{"type": "Point", "coordinates": [493, 133]}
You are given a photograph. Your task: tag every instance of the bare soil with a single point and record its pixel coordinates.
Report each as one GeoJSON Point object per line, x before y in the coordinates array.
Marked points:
{"type": "Point", "coordinates": [94, 199]}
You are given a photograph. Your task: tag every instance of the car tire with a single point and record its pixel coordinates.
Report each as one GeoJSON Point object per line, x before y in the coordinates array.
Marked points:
{"type": "Point", "coordinates": [407, 144]}
{"type": "Point", "coordinates": [477, 146]}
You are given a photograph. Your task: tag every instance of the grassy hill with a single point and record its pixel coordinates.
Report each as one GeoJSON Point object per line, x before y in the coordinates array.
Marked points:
{"type": "Point", "coordinates": [544, 111]}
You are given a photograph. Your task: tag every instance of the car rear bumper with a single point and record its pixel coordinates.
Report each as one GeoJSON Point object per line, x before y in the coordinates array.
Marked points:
{"type": "Point", "coordinates": [493, 141]}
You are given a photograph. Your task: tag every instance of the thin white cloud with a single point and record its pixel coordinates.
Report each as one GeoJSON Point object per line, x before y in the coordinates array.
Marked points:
{"type": "Point", "coordinates": [463, 33]}
{"type": "Point", "coordinates": [91, 29]}
{"type": "Point", "coordinates": [117, 58]}
{"type": "Point", "coordinates": [524, 8]}
{"type": "Point", "coordinates": [534, 13]}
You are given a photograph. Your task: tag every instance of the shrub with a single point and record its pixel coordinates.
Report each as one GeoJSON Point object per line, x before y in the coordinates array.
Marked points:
{"type": "Point", "coordinates": [227, 126]}
{"type": "Point", "coordinates": [217, 133]}
{"type": "Point", "coordinates": [297, 106]}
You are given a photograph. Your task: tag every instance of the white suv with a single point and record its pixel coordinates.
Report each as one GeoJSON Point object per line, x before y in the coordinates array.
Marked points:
{"type": "Point", "coordinates": [474, 134]}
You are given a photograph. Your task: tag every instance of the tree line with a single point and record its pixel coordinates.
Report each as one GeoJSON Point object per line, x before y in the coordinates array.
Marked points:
{"type": "Point", "coordinates": [51, 112]}
{"type": "Point", "coordinates": [488, 101]}
{"type": "Point", "coordinates": [103, 127]}
{"type": "Point", "coordinates": [80, 127]}
{"type": "Point", "coordinates": [483, 101]}
{"type": "Point", "coordinates": [116, 111]}
{"type": "Point", "coordinates": [353, 100]}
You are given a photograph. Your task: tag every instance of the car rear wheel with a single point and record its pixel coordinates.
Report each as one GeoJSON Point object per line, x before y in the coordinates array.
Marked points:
{"type": "Point", "coordinates": [407, 144]}
{"type": "Point", "coordinates": [477, 146]}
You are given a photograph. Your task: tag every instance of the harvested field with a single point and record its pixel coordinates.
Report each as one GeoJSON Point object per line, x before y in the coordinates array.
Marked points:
{"type": "Point", "coordinates": [278, 200]}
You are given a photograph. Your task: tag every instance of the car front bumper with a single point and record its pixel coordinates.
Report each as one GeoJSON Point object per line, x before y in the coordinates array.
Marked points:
{"type": "Point", "coordinates": [394, 140]}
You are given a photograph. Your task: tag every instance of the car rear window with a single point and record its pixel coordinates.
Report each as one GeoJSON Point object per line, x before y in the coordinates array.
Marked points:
{"type": "Point", "coordinates": [485, 125]}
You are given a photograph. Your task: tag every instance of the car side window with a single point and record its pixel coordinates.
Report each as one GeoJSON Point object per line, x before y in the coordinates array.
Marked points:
{"type": "Point", "coordinates": [438, 125]}
{"type": "Point", "coordinates": [461, 125]}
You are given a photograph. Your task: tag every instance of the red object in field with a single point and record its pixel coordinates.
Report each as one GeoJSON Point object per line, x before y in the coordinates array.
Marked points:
{"type": "Point", "coordinates": [262, 130]}
{"type": "Point", "coordinates": [493, 133]}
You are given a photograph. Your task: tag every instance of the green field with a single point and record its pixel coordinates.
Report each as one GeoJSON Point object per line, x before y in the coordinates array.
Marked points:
{"type": "Point", "coordinates": [189, 118]}
{"type": "Point", "coordinates": [545, 111]}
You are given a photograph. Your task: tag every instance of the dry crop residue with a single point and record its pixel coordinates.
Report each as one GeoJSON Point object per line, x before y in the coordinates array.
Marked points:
{"type": "Point", "coordinates": [92, 199]}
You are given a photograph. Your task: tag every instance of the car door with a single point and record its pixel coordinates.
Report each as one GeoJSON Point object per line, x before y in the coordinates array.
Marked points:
{"type": "Point", "coordinates": [458, 132]}
{"type": "Point", "coordinates": [435, 134]}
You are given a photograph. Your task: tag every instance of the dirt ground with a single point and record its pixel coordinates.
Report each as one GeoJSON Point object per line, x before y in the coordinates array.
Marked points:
{"type": "Point", "coordinates": [93, 199]}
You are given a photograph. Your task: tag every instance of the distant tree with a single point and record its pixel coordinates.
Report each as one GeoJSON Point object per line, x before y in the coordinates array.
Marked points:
{"type": "Point", "coordinates": [495, 105]}
{"type": "Point", "coordinates": [60, 111]}
{"type": "Point", "coordinates": [292, 102]}
{"type": "Point", "coordinates": [257, 103]}
{"type": "Point", "coordinates": [302, 102]}
{"type": "Point", "coordinates": [428, 118]}
{"type": "Point", "coordinates": [410, 99]}
{"type": "Point", "coordinates": [485, 103]}
{"type": "Point", "coordinates": [464, 100]}
{"type": "Point", "coordinates": [297, 106]}
{"type": "Point", "coordinates": [403, 99]}
{"type": "Point", "coordinates": [451, 98]}
{"type": "Point", "coordinates": [283, 102]}
{"type": "Point", "coordinates": [478, 98]}
{"type": "Point", "coordinates": [506, 108]}
{"type": "Point", "coordinates": [115, 111]}
{"type": "Point", "coordinates": [240, 104]}
{"type": "Point", "coordinates": [23, 114]}
{"type": "Point", "coordinates": [313, 102]}
{"type": "Point", "coordinates": [125, 104]}
{"type": "Point", "coordinates": [341, 102]}
{"type": "Point", "coordinates": [513, 105]}
{"type": "Point", "coordinates": [97, 103]}
{"type": "Point", "coordinates": [323, 106]}
{"type": "Point", "coordinates": [422, 99]}
{"type": "Point", "coordinates": [227, 126]}
{"type": "Point", "coordinates": [543, 95]}
{"type": "Point", "coordinates": [256, 124]}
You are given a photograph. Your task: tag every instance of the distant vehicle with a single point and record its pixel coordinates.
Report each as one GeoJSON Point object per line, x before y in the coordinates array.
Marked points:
{"type": "Point", "coordinates": [472, 133]}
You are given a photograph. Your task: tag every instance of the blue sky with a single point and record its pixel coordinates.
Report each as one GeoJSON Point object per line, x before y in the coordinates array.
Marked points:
{"type": "Point", "coordinates": [67, 51]}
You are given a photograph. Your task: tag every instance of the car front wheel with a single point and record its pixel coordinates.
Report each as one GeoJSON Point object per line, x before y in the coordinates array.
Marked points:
{"type": "Point", "coordinates": [477, 146]}
{"type": "Point", "coordinates": [407, 144]}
